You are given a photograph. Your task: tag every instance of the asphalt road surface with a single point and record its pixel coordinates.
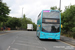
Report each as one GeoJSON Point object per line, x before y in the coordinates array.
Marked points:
{"type": "Point", "coordinates": [27, 40]}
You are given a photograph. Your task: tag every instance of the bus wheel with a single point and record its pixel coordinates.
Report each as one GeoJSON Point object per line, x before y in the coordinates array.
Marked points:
{"type": "Point", "coordinates": [39, 37]}
{"type": "Point", "coordinates": [36, 34]}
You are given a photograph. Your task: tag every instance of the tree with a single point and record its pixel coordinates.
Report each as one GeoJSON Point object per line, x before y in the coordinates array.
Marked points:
{"type": "Point", "coordinates": [24, 16]}
{"type": "Point", "coordinates": [13, 23]}
{"type": "Point", "coordinates": [53, 8]}
{"type": "Point", "coordinates": [68, 18]}
{"type": "Point", "coordinates": [23, 22]}
{"type": "Point", "coordinates": [34, 26]}
{"type": "Point", "coordinates": [73, 29]}
{"type": "Point", "coordinates": [4, 11]}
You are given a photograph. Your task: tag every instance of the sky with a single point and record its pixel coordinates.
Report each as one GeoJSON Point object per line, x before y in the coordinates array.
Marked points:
{"type": "Point", "coordinates": [32, 8]}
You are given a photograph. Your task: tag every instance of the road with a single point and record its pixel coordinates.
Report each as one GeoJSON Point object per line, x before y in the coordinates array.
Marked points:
{"type": "Point", "coordinates": [27, 40]}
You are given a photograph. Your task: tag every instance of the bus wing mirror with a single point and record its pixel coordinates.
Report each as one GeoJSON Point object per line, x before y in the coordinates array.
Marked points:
{"type": "Point", "coordinates": [39, 25]}
{"type": "Point", "coordinates": [61, 26]}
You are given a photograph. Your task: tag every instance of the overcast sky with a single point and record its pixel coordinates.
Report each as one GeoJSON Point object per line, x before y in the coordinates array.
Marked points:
{"type": "Point", "coordinates": [31, 8]}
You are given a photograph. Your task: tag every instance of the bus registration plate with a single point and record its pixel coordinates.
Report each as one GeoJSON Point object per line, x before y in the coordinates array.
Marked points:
{"type": "Point", "coordinates": [49, 38]}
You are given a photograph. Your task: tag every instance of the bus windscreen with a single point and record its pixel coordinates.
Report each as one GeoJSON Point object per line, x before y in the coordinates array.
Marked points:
{"type": "Point", "coordinates": [51, 28]}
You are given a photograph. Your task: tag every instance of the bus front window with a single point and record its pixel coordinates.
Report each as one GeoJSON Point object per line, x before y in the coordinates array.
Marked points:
{"type": "Point", "coordinates": [53, 28]}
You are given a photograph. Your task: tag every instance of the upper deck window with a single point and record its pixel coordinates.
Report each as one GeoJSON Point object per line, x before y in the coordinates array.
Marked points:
{"type": "Point", "coordinates": [51, 14]}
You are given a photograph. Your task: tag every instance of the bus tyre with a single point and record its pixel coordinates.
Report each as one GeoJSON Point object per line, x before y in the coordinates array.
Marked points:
{"type": "Point", "coordinates": [39, 37]}
{"type": "Point", "coordinates": [36, 34]}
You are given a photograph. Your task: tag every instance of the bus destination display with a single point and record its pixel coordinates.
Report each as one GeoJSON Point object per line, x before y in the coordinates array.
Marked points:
{"type": "Point", "coordinates": [51, 20]}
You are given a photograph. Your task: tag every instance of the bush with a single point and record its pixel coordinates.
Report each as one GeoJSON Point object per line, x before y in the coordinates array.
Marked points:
{"type": "Point", "coordinates": [73, 29]}
{"type": "Point", "coordinates": [73, 35]}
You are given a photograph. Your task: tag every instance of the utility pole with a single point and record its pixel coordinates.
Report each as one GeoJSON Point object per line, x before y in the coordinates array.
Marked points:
{"type": "Point", "coordinates": [60, 5]}
{"type": "Point", "coordinates": [22, 18]}
{"type": "Point", "coordinates": [22, 12]}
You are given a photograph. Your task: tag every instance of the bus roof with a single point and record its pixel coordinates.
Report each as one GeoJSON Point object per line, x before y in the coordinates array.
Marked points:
{"type": "Point", "coordinates": [50, 10]}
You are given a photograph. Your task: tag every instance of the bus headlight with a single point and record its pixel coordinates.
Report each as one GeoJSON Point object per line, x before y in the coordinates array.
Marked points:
{"type": "Point", "coordinates": [57, 34]}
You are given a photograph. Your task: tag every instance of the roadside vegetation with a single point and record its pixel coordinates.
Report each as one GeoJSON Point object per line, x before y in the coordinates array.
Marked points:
{"type": "Point", "coordinates": [13, 22]}
{"type": "Point", "coordinates": [67, 21]}
{"type": "Point", "coordinates": [19, 23]}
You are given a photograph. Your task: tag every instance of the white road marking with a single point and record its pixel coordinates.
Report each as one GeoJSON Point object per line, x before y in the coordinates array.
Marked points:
{"type": "Point", "coordinates": [64, 47]}
{"type": "Point", "coordinates": [14, 49]}
{"type": "Point", "coordinates": [29, 42]}
{"type": "Point", "coordinates": [44, 48]}
{"type": "Point", "coordinates": [13, 42]}
{"type": "Point", "coordinates": [8, 48]}
{"type": "Point", "coordinates": [69, 47]}
{"type": "Point", "coordinates": [28, 45]}
{"type": "Point", "coordinates": [67, 43]}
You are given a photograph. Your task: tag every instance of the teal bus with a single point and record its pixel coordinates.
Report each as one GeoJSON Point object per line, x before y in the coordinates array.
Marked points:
{"type": "Point", "coordinates": [49, 24]}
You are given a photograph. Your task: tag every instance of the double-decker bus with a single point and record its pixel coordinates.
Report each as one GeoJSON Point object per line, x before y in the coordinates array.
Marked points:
{"type": "Point", "coordinates": [49, 24]}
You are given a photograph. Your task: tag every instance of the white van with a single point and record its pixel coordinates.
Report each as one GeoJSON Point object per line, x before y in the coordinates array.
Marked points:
{"type": "Point", "coordinates": [29, 26]}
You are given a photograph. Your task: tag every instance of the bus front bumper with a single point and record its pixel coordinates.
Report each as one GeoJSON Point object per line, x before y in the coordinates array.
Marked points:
{"type": "Point", "coordinates": [44, 35]}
